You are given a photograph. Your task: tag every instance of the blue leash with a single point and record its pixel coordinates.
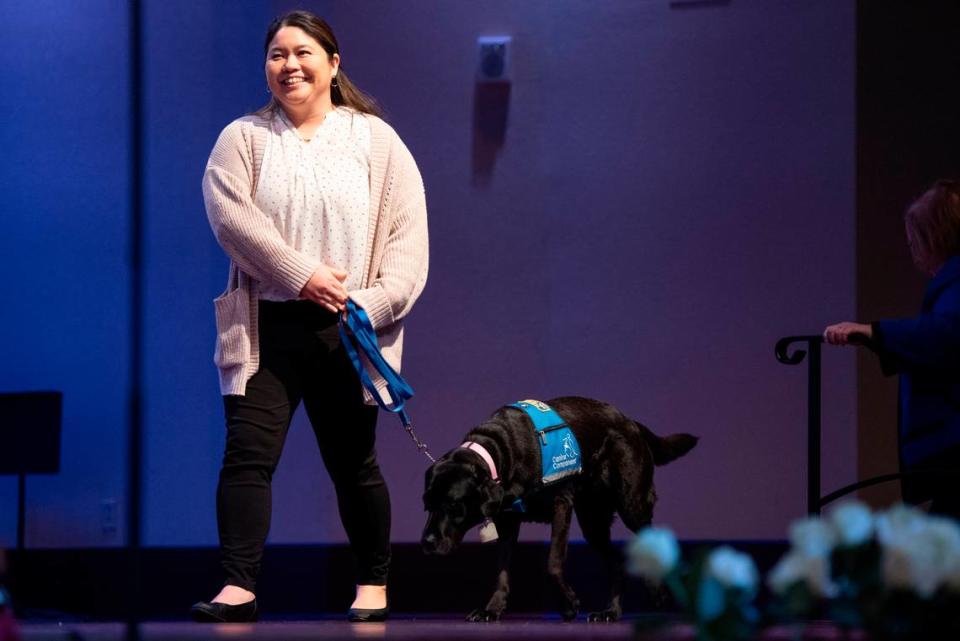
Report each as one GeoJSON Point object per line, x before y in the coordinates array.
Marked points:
{"type": "Point", "coordinates": [357, 334]}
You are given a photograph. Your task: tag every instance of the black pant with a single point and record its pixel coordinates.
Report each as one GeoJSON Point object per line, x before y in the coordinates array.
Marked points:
{"type": "Point", "coordinates": [936, 477]}
{"type": "Point", "coordinates": [301, 358]}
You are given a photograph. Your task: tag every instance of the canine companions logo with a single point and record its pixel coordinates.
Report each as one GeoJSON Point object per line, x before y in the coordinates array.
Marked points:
{"type": "Point", "coordinates": [569, 456]}
{"type": "Point", "coordinates": [561, 454]}
{"type": "Point", "coordinates": [559, 450]}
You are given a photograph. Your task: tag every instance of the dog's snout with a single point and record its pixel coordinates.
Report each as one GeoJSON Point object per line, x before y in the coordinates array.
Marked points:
{"type": "Point", "coordinates": [434, 541]}
{"type": "Point", "coordinates": [429, 543]}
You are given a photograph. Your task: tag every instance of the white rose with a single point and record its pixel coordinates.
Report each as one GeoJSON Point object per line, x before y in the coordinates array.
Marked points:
{"type": "Point", "coordinates": [898, 568]}
{"type": "Point", "coordinates": [853, 523]}
{"type": "Point", "coordinates": [897, 531]}
{"type": "Point", "coordinates": [732, 569]}
{"type": "Point", "coordinates": [900, 521]}
{"type": "Point", "coordinates": [811, 536]}
{"type": "Point", "coordinates": [921, 554]}
{"type": "Point", "coordinates": [788, 570]}
{"type": "Point", "coordinates": [793, 568]}
{"type": "Point", "coordinates": [653, 553]}
{"type": "Point", "coordinates": [949, 532]}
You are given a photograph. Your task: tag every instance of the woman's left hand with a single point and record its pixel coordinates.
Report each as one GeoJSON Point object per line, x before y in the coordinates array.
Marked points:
{"type": "Point", "coordinates": [846, 332]}
{"type": "Point", "coordinates": [325, 288]}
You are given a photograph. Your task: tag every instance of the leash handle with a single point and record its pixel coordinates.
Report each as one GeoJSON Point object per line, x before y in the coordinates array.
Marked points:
{"type": "Point", "coordinates": [356, 334]}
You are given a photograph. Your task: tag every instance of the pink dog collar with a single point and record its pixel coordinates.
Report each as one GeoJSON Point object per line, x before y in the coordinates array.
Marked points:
{"type": "Point", "coordinates": [485, 455]}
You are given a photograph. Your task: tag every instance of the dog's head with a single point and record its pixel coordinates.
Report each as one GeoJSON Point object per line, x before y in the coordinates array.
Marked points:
{"type": "Point", "coordinates": [458, 495]}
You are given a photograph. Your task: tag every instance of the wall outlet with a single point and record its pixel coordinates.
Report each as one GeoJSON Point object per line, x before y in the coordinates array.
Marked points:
{"type": "Point", "coordinates": [109, 517]}
{"type": "Point", "coordinates": [493, 64]}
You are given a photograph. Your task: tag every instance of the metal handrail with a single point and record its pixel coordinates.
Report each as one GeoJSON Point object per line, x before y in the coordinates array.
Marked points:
{"type": "Point", "coordinates": [813, 408]}
{"type": "Point", "coordinates": [815, 501]}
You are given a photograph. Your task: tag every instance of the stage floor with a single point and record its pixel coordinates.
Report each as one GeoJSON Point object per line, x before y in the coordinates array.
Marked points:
{"type": "Point", "coordinates": [409, 628]}
{"type": "Point", "coordinates": [397, 629]}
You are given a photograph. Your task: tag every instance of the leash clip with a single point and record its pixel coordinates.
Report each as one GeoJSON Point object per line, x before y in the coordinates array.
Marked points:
{"type": "Point", "coordinates": [421, 446]}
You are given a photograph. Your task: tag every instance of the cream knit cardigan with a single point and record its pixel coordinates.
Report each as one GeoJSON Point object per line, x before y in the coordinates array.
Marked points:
{"type": "Point", "coordinates": [395, 260]}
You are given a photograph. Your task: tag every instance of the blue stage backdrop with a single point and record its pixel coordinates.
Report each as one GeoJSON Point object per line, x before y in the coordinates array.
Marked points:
{"type": "Point", "coordinates": [65, 254]}
{"type": "Point", "coordinates": [672, 191]}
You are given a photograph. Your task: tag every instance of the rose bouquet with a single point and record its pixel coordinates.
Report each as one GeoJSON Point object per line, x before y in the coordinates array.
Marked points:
{"type": "Point", "coordinates": [716, 591]}
{"type": "Point", "coordinates": [895, 573]}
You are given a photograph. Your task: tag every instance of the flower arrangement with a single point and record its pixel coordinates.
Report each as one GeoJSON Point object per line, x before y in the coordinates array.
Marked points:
{"type": "Point", "coordinates": [894, 573]}
{"type": "Point", "coordinates": [716, 591]}
{"type": "Point", "coordinates": [9, 631]}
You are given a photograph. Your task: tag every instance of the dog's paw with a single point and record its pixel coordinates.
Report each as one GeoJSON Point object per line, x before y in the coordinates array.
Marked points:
{"type": "Point", "coordinates": [569, 614]}
{"type": "Point", "coordinates": [482, 615]}
{"type": "Point", "coordinates": [604, 616]}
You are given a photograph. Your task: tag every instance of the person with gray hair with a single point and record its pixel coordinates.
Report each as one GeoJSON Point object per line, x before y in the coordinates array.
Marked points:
{"type": "Point", "coordinates": [925, 351]}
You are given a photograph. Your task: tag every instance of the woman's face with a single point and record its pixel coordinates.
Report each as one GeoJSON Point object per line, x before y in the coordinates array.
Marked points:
{"type": "Point", "coordinates": [299, 71]}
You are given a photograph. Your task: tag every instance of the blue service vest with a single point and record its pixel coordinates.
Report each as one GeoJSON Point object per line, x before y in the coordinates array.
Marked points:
{"type": "Point", "coordinates": [559, 450]}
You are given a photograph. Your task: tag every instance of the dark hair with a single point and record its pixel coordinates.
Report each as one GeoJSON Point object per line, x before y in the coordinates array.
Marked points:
{"type": "Point", "coordinates": [343, 92]}
{"type": "Point", "coordinates": [933, 225]}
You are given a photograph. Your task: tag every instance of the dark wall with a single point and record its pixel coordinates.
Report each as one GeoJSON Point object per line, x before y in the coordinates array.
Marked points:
{"type": "Point", "coordinates": [908, 135]}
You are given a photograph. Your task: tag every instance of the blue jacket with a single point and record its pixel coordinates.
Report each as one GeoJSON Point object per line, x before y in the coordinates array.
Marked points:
{"type": "Point", "coordinates": [925, 351]}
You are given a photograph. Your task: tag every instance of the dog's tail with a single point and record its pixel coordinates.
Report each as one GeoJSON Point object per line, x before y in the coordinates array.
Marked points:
{"type": "Point", "coordinates": [667, 448]}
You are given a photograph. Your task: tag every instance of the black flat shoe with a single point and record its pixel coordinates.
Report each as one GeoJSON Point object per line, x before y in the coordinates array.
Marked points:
{"type": "Point", "coordinates": [368, 615]}
{"type": "Point", "coordinates": [210, 612]}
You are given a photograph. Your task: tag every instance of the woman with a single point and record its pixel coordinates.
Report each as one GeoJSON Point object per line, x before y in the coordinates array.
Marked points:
{"type": "Point", "coordinates": [925, 351]}
{"type": "Point", "coordinates": [315, 200]}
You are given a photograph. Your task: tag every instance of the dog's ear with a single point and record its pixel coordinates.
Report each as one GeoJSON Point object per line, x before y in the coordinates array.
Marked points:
{"type": "Point", "coordinates": [492, 499]}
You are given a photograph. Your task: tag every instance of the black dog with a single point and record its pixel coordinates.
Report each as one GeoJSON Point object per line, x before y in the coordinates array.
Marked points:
{"type": "Point", "coordinates": [618, 456]}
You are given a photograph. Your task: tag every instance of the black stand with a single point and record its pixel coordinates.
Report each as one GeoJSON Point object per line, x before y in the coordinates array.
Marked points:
{"type": "Point", "coordinates": [29, 442]}
{"type": "Point", "coordinates": [813, 409]}
{"type": "Point", "coordinates": [21, 509]}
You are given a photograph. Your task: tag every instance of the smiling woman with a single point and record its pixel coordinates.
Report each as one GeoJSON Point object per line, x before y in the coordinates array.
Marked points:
{"type": "Point", "coordinates": [315, 199]}
{"type": "Point", "coordinates": [303, 69]}
{"type": "Point", "coordinates": [299, 71]}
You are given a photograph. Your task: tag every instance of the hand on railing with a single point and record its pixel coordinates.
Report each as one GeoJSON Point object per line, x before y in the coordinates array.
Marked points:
{"type": "Point", "coordinates": [848, 333]}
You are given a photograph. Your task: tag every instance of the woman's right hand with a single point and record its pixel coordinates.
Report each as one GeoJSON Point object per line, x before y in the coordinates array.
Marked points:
{"type": "Point", "coordinates": [847, 333]}
{"type": "Point", "coordinates": [325, 288]}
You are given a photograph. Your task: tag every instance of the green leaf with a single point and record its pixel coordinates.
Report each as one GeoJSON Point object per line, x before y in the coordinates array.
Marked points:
{"type": "Point", "coordinates": [677, 588]}
{"type": "Point", "coordinates": [711, 599]}
{"type": "Point", "coordinates": [844, 613]}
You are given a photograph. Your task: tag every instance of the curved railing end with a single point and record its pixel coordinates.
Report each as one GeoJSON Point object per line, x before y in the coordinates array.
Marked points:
{"type": "Point", "coordinates": [798, 355]}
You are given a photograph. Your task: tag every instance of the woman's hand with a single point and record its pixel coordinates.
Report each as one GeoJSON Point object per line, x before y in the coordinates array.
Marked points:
{"type": "Point", "coordinates": [846, 333]}
{"type": "Point", "coordinates": [325, 288]}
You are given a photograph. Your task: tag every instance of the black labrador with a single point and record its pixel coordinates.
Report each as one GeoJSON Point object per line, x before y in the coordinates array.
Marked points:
{"type": "Point", "coordinates": [618, 456]}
